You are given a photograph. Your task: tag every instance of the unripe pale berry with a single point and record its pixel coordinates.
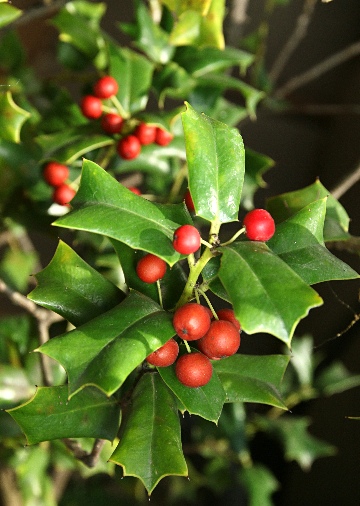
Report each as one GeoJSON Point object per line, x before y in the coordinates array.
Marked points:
{"type": "Point", "coordinates": [55, 173]}
{"type": "Point", "coordinates": [150, 268]}
{"type": "Point", "coordinates": [145, 133]}
{"type": "Point", "coordinates": [229, 315]}
{"type": "Point", "coordinates": [186, 239]}
{"type": "Point", "coordinates": [163, 137]}
{"type": "Point", "coordinates": [112, 123]}
{"type": "Point", "coordinates": [129, 147]}
{"type": "Point", "coordinates": [164, 356]}
{"type": "Point", "coordinates": [259, 225]}
{"type": "Point", "coordinates": [63, 194]}
{"type": "Point", "coordinates": [106, 87]}
{"type": "Point", "coordinates": [191, 321]}
{"type": "Point", "coordinates": [91, 107]}
{"type": "Point", "coordinates": [193, 370]}
{"type": "Point", "coordinates": [221, 340]}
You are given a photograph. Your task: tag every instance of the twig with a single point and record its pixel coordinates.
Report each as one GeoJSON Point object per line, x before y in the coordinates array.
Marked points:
{"type": "Point", "coordinates": [89, 459]}
{"type": "Point", "coordinates": [347, 183]}
{"type": "Point", "coordinates": [45, 319]}
{"type": "Point", "coordinates": [319, 69]}
{"type": "Point", "coordinates": [296, 37]}
{"type": "Point", "coordinates": [9, 491]}
{"type": "Point", "coordinates": [46, 10]}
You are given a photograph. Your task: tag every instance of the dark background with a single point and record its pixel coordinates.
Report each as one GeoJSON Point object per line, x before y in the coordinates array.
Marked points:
{"type": "Point", "coordinates": [304, 147]}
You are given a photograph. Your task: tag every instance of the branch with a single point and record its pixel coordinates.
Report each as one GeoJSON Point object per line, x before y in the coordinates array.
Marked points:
{"type": "Point", "coordinates": [296, 37]}
{"type": "Point", "coordinates": [319, 69]}
{"type": "Point", "coordinates": [45, 319]}
{"type": "Point", "coordinates": [46, 10]}
{"type": "Point", "coordinates": [89, 459]}
{"type": "Point", "coordinates": [347, 183]}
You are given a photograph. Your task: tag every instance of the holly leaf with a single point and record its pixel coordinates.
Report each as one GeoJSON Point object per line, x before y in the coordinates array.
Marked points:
{"type": "Point", "coordinates": [150, 444]}
{"type": "Point", "coordinates": [256, 165]}
{"type": "Point", "coordinates": [134, 72]}
{"type": "Point", "coordinates": [105, 350]}
{"type": "Point", "coordinates": [103, 206]}
{"type": "Point", "coordinates": [299, 242]}
{"type": "Point", "coordinates": [267, 295]}
{"type": "Point", "coordinates": [335, 379]}
{"type": "Point", "coordinates": [260, 484]}
{"type": "Point", "coordinates": [336, 224]}
{"type": "Point", "coordinates": [298, 444]}
{"type": "Point", "coordinates": [247, 378]}
{"type": "Point", "coordinates": [8, 13]}
{"type": "Point", "coordinates": [72, 288]}
{"type": "Point", "coordinates": [12, 118]}
{"type": "Point", "coordinates": [206, 401]}
{"type": "Point", "coordinates": [50, 414]}
{"type": "Point", "coordinates": [215, 191]}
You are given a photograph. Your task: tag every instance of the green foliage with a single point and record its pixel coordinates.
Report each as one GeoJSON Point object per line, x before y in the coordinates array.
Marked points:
{"type": "Point", "coordinates": [93, 381]}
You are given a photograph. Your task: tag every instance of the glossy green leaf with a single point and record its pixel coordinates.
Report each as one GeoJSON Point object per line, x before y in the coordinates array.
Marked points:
{"type": "Point", "coordinates": [260, 484]}
{"type": "Point", "coordinates": [298, 241]}
{"type": "Point", "coordinates": [172, 81]}
{"type": "Point", "coordinates": [211, 28]}
{"type": "Point", "coordinates": [104, 206]}
{"type": "Point", "coordinates": [150, 444]}
{"type": "Point", "coordinates": [206, 401]}
{"type": "Point", "coordinates": [337, 220]}
{"type": "Point", "coordinates": [187, 29]}
{"type": "Point", "coordinates": [302, 359]}
{"type": "Point", "coordinates": [51, 415]}
{"type": "Point", "coordinates": [248, 378]}
{"type": "Point", "coordinates": [335, 379]}
{"type": "Point", "coordinates": [267, 295]}
{"type": "Point", "coordinates": [105, 350]}
{"type": "Point", "coordinates": [151, 38]}
{"type": "Point", "coordinates": [69, 145]}
{"type": "Point", "coordinates": [72, 288]}
{"type": "Point", "coordinates": [216, 171]}
{"type": "Point", "coordinates": [256, 165]}
{"type": "Point", "coordinates": [8, 13]}
{"type": "Point", "coordinates": [179, 6]}
{"type": "Point", "coordinates": [200, 61]}
{"type": "Point", "coordinates": [251, 95]}
{"type": "Point", "coordinates": [12, 117]}
{"type": "Point", "coordinates": [172, 284]}
{"type": "Point", "coordinates": [298, 443]}
{"type": "Point", "coordinates": [134, 73]}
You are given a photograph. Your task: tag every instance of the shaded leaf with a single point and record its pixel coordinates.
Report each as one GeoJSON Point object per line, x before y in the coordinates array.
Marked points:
{"type": "Point", "coordinates": [104, 206]}
{"type": "Point", "coordinates": [335, 379]}
{"type": "Point", "coordinates": [150, 444]}
{"type": "Point", "coordinates": [215, 191]}
{"type": "Point", "coordinates": [267, 295]}
{"type": "Point", "coordinates": [256, 165]}
{"type": "Point", "coordinates": [8, 13]}
{"type": "Point", "coordinates": [299, 242]}
{"type": "Point", "coordinates": [260, 484]}
{"type": "Point", "coordinates": [51, 415]}
{"type": "Point", "coordinates": [14, 386]}
{"type": "Point", "coordinates": [105, 350]}
{"type": "Point", "coordinates": [248, 378]}
{"type": "Point", "coordinates": [72, 288]}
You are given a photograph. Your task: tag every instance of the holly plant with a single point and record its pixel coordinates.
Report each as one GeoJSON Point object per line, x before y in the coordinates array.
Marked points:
{"type": "Point", "coordinates": [163, 266]}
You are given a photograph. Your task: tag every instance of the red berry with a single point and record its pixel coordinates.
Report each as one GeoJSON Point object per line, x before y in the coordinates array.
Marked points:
{"type": "Point", "coordinates": [186, 239]}
{"type": "Point", "coordinates": [55, 173]}
{"type": "Point", "coordinates": [191, 321]}
{"type": "Point", "coordinates": [163, 137]}
{"type": "Point", "coordinates": [129, 147]}
{"type": "Point", "coordinates": [145, 133]}
{"type": "Point", "coordinates": [106, 87]}
{"type": "Point", "coordinates": [91, 107]}
{"type": "Point", "coordinates": [164, 356]}
{"type": "Point", "coordinates": [259, 225]}
{"type": "Point", "coordinates": [189, 201]}
{"type": "Point", "coordinates": [229, 315]}
{"type": "Point", "coordinates": [150, 268]}
{"type": "Point", "coordinates": [221, 340]}
{"type": "Point", "coordinates": [112, 123]}
{"type": "Point", "coordinates": [63, 194]}
{"type": "Point", "coordinates": [193, 370]}
{"type": "Point", "coordinates": [135, 190]}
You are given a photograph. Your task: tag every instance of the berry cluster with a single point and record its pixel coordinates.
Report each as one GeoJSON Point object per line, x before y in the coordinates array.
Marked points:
{"type": "Point", "coordinates": [216, 339]}
{"type": "Point", "coordinates": [56, 174]}
{"type": "Point", "coordinates": [132, 138]}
